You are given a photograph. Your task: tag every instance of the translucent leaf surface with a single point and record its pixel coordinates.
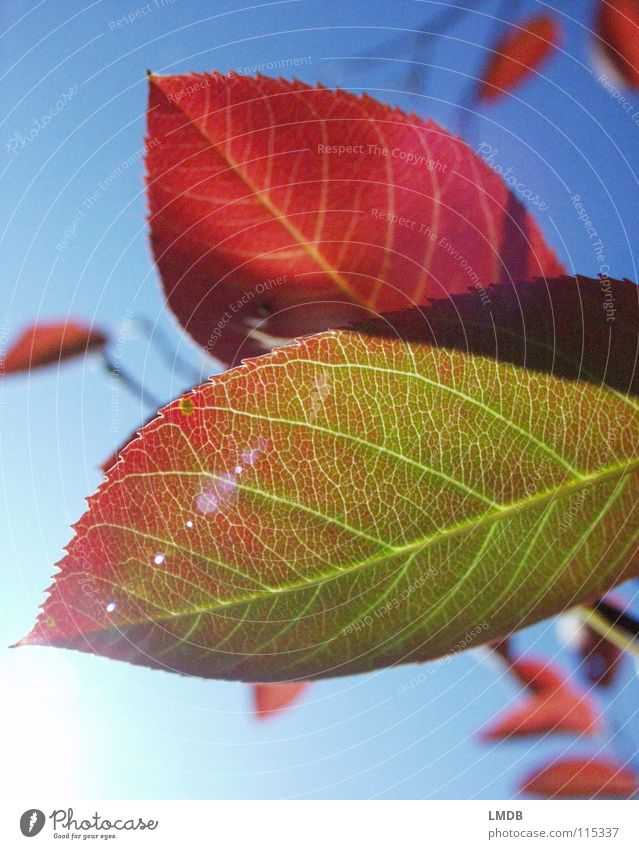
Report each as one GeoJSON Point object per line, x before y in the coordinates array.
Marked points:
{"type": "Point", "coordinates": [365, 497]}
{"type": "Point", "coordinates": [278, 209]}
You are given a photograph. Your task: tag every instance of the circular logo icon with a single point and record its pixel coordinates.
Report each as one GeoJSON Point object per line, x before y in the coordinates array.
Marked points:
{"type": "Point", "coordinates": [32, 822]}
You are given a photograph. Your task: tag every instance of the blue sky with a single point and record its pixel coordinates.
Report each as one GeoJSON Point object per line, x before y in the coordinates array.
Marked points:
{"type": "Point", "coordinates": [96, 728]}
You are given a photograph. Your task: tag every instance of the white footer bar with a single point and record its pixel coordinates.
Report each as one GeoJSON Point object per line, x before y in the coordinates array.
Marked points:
{"type": "Point", "coordinates": [318, 825]}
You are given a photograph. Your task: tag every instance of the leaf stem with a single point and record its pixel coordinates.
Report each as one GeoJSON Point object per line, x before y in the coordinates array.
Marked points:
{"type": "Point", "coordinates": [617, 627]}
{"type": "Point", "coordinates": [439, 24]}
{"type": "Point", "coordinates": [131, 383]}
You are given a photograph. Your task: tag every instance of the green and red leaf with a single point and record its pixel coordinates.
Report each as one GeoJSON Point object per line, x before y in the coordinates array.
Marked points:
{"type": "Point", "coordinates": [369, 497]}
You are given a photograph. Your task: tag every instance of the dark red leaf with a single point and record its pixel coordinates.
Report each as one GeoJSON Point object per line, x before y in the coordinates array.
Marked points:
{"type": "Point", "coordinates": [517, 55]}
{"type": "Point", "coordinates": [601, 658]}
{"type": "Point", "coordinates": [618, 43]}
{"type": "Point", "coordinates": [51, 342]}
{"type": "Point", "coordinates": [503, 648]}
{"type": "Point", "coordinates": [568, 327]}
{"type": "Point", "coordinates": [279, 209]}
{"type": "Point", "coordinates": [582, 778]}
{"type": "Point", "coordinates": [270, 699]}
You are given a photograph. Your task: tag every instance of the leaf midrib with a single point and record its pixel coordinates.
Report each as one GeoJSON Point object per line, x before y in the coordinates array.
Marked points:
{"type": "Point", "coordinates": [262, 196]}
{"type": "Point", "coordinates": [511, 509]}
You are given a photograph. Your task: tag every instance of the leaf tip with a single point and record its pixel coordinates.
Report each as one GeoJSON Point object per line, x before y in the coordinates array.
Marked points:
{"type": "Point", "coordinates": [32, 638]}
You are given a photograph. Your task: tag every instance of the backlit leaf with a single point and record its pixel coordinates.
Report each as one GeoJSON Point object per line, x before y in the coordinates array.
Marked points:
{"type": "Point", "coordinates": [114, 456]}
{"type": "Point", "coordinates": [582, 778]}
{"type": "Point", "coordinates": [364, 497]}
{"type": "Point", "coordinates": [518, 54]}
{"type": "Point", "coordinates": [47, 343]}
{"type": "Point", "coordinates": [618, 42]}
{"type": "Point", "coordinates": [279, 209]}
{"type": "Point", "coordinates": [270, 699]}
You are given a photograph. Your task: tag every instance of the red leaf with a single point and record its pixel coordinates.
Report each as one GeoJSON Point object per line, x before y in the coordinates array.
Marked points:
{"type": "Point", "coordinates": [538, 674]}
{"type": "Point", "coordinates": [558, 712]}
{"type": "Point", "coordinates": [517, 55]}
{"type": "Point", "coordinates": [618, 43]}
{"type": "Point", "coordinates": [259, 222]}
{"type": "Point", "coordinates": [555, 707]}
{"type": "Point", "coordinates": [270, 699]}
{"type": "Point", "coordinates": [582, 778]}
{"type": "Point", "coordinates": [51, 342]}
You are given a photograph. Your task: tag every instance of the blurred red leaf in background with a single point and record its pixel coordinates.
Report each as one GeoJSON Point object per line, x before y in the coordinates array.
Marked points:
{"type": "Point", "coordinates": [47, 343]}
{"type": "Point", "coordinates": [517, 55]}
{"type": "Point", "coordinates": [557, 711]}
{"type": "Point", "coordinates": [618, 42]}
{"type": "Point", "coordinates": [582, 778]}
{"type": "Point", "coordinates": [269, 699]}
{"type": "Point", "coordinates": [539, 674]}
{"type": "Point", "coordinates": [556, 706]}
{"type": "Point", "coordinates": [601, 658]}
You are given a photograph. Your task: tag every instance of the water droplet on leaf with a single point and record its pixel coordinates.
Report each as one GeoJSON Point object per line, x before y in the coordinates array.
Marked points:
{"type": "Point", "coordinates": [206, 502]}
